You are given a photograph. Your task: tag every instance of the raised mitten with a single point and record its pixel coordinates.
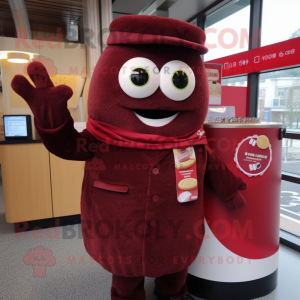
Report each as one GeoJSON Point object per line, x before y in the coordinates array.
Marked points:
{"type": "Point", "coordinates": [47, 102]}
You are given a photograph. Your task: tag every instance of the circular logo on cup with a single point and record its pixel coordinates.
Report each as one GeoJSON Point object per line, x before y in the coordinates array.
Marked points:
{"type": "Point", "coordinates": [253, 155]}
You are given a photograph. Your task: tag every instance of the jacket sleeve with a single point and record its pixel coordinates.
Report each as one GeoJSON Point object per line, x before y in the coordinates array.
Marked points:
{"type": "Point", "coordinates": [66, 142]}
{"type": "Point", "coordinates": [224, 183]}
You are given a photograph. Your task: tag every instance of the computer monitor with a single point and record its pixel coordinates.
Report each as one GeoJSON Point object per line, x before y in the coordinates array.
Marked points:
{"type": "Point", "coordinates": [17, 127]}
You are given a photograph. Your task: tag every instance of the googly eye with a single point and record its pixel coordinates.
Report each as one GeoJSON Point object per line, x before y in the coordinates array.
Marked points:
{"type": "Point", "coordinates": [177, 80]}
{"type": "Point", "coordinates": [139, 77]}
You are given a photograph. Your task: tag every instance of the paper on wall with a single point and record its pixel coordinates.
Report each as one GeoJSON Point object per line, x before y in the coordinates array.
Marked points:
{"type": "Point", "coordinates": [214, 76]}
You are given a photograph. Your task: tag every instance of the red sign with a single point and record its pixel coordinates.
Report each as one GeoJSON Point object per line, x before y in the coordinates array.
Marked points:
{"type": "Point", "coordinates": [251, 158]}
{"type": "Point", "coordinates": [275, 56]}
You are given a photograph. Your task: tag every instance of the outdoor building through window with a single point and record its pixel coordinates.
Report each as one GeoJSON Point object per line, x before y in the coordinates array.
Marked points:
{"type": "Point", "coordinates": [279, 98]}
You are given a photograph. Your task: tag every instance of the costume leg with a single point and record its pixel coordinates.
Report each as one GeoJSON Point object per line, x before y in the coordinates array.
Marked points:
{"type": "Point", "coordinates": [172, 285]}
{"type": "Point", "coordinates": [127, 288]}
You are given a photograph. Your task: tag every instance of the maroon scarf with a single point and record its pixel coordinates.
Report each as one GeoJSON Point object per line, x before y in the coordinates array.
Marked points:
{"type": "Point", "coordinates": [119, 137]}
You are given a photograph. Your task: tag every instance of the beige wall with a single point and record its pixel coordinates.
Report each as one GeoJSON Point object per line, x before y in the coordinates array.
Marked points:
{"type": "Point", "coordinates": [68, 63]}
{"type": "Point", "coordinates": [1, 102]}
{"type": "Point", "coordinates": [76, 61]}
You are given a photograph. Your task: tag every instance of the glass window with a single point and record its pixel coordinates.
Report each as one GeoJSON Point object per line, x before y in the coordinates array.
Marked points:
{"type": "Point", "coordinates": [290, 200]}
{"type": "Point", "coordinates": [279, 98]}
{"type": "Point", "coordinates": [280, 21]}
{"type": "Point", "coordinates": [291, 156]}
{"type": "Point", "coordinates": [194, 22]}
{"type": "Point", "coordinates": [235, 81]}
{"type": "Point", "coordinates": [227, 30]}
{"type": "Point", "coordinates": [275, 102]}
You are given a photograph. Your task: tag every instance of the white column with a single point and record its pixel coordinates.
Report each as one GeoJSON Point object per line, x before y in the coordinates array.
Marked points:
{"type": "Point", "coordinates": [92, 33]}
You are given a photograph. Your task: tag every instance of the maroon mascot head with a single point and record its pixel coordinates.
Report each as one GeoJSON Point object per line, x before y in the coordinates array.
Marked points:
{"type": "Point", "coordinates": [151, 79]}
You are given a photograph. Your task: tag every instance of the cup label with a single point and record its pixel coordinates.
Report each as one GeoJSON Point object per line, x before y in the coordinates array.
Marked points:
{"type": "Point", "coordinates": [253, 155]}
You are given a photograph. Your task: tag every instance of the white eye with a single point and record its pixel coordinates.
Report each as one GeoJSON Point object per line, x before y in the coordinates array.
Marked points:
{"type": "Point", "coordinates": [139, 77]}
{"type": "Point", "coordinates": [177, 80]}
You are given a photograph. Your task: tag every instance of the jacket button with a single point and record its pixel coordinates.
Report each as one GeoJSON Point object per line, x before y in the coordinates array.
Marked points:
{"type": "Point", "coordinates": [152, 223]}
{"type": "Point", "coordinates": [155, 198]}
{"type": "Point", "coordinates": [155, 171]}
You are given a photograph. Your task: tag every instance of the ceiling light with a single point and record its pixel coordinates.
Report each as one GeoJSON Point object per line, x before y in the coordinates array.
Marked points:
{"type": "Point", "coordinates": [20, 58]}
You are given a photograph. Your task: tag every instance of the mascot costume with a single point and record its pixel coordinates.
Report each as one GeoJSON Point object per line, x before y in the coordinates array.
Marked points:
{"type": "Point", "coordinates": [147, 103]}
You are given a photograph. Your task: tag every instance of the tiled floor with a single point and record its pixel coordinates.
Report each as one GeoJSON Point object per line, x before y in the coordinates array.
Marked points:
{"type": "Point", "coordinates": [83, 279]}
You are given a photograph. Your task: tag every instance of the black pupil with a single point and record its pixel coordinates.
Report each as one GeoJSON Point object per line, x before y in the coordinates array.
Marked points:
{"type": "Point", "coordinates": [180, 80]}
{"type": "Point", "coordinates": [139, 77]}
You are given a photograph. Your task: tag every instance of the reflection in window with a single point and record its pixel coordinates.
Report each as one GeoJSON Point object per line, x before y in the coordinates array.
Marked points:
{"type": "Point", "coordinates": [228, 30]}
{"type": "Point", "coordinates": [279, 97]}
{"type": "Point", "coordinates": [280, 21]}
{"type": "Point", "coordinates": [291, 156]}
{"type": "Point", "coordinates": [290, 204]}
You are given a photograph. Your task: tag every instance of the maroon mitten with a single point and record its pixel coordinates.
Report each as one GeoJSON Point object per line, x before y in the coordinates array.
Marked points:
{"type": "Point", "coordinates": [238, 200]}
{"type": "Point", "coordinates": [47, 103]}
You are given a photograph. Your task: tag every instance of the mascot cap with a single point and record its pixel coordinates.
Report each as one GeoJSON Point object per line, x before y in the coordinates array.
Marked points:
{"type": "Point", "coordinates": [156, 30]}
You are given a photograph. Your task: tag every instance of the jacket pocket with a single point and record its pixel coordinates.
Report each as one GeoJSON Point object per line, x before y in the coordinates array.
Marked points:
{"type": "Point", "coordinates": [110, 187]}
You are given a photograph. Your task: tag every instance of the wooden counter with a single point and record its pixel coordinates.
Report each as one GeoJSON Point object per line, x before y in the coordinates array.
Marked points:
{"type": "Point", "coordinates": [66, 182]}
{"type": "Point", "coordinates": [37, 184]}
